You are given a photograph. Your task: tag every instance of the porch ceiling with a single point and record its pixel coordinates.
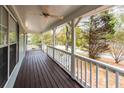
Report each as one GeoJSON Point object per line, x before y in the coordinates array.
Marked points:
{"type": "Point", "coordinates": [33, 22]}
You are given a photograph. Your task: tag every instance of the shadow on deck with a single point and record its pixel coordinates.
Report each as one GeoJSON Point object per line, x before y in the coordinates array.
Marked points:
{"type": "Point", "coordinates": [39, 71]}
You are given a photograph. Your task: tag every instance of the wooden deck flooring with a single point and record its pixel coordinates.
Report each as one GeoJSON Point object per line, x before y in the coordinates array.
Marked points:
{"type": "Point", "coordinates": [39, 71]}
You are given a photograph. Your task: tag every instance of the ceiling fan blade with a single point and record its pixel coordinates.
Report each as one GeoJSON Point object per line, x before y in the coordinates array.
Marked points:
{"type": "Point", "coordinates": [59, 17]}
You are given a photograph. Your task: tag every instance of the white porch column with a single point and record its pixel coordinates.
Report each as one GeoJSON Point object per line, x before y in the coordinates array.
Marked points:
{"type": "Point", "coordinates": [73, 49]}
{"type": "Point", "coordinates": [42, 42]}
{"type": "Point", "coordinates": [54, 32]}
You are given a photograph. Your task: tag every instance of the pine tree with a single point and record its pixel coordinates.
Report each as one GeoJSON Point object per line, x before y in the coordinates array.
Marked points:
{"type": "Point", "coordinates": [100, 26]}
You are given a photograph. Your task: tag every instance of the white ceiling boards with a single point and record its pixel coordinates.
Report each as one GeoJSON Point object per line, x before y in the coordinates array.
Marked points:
{"type": "Point", "coordinates": [31, 18]}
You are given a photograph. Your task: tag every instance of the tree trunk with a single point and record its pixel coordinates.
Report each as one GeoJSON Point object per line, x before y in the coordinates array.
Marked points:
{"type": "Point", "coordinates": [67, 38]}
{"type": "Point", "coordinates": [117, 61]}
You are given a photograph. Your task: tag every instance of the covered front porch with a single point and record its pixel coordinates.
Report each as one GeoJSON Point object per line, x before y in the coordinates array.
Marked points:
{"type": "Point", "coordinates": [49, 66]}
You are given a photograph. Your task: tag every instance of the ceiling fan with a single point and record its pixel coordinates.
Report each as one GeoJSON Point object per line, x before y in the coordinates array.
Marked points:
{"type": "Point", "coordinates": [46, 14]}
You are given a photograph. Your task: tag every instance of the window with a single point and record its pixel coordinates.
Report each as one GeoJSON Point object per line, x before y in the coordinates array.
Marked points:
{"type": "Point", "coordinates": [3, 47]}
{"type": "Point", "coordinates": [13, 43]}
{"type": "Point", "coordinates": [3, 26]}
{"type": "Point", "coordinates": [1, 36]}
{"type": "Point", "coordinates": [3, 66]}
{"type": "Point", "coordinates": [13, 32]}
{"type": "Point", "coordinates": [12, 57]}
{"type": "Point", "coordinates": [8, 38]}
{"type": "Point", "coordinates": [21, 43]}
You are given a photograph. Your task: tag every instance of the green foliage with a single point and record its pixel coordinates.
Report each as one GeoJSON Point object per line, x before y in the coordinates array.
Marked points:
{"type": "Point", "coordinates": [100, 26]}
{"type": "Point", "coordinates": [12, 37]}
{"type": "Point", "coordinates": [36, 39]}
{"type": "Point", "coordinates": [61, 36]}
{"type": "Point", "coordinates": [110, 21]}
{"type": "Point", "coordinates": [1, 37]}
{"type": "Point", "coordinates": [81, 38]}
{"type": "Point", "coordinates": [68, 37]}
{"type": "Point", "coordinates": [47, 38]}
{"type": "Point", "coordinates": [119, 36]}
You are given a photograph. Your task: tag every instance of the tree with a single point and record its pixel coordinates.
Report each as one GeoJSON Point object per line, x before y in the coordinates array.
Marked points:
{"type": "Point", "coordinates": [68, 37]}
{"type": "Point", "coordinates": [36, 39]}
{"type": "Point", "coordinates": [69, 31]}
{"type": "Point", "coordinates": [47, 38]}
{"type": "Point", "coordinates": [117, 46]}
{"type": "Point", "coordinates": [81, 38]}
{"type": "Point", "coordinates": [61, 36]}
{"type": "Point", "coordinates": [100, 26]}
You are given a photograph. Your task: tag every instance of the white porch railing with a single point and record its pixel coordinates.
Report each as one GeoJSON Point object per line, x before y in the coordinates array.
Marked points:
{"type": "Point", "coordinates": [62, 57]}
{"type": "Point", "coordinates": [44, 48]}
{"type": "Point", "coordinates": [89, 72]}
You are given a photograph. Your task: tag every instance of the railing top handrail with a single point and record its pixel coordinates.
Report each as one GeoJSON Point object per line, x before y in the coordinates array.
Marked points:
{"type": "Point", "coordinates": [114, 68]}
{"type": "Point", "coordinates": [111, 67]}
{"type": "Point", "coordinates": [60, 50]}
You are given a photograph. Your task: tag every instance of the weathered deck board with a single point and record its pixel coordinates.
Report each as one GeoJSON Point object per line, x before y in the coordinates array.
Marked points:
{"type": "Point", "coordinates": [39, 71]}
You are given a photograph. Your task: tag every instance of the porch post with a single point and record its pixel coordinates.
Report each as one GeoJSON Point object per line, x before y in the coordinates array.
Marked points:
{"type": "Point", "coordinates": [73, 49]}
{"type": "Point", "coordinates": [42, 42]}
{"type": "Point", "coordinates": [54, 32]}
